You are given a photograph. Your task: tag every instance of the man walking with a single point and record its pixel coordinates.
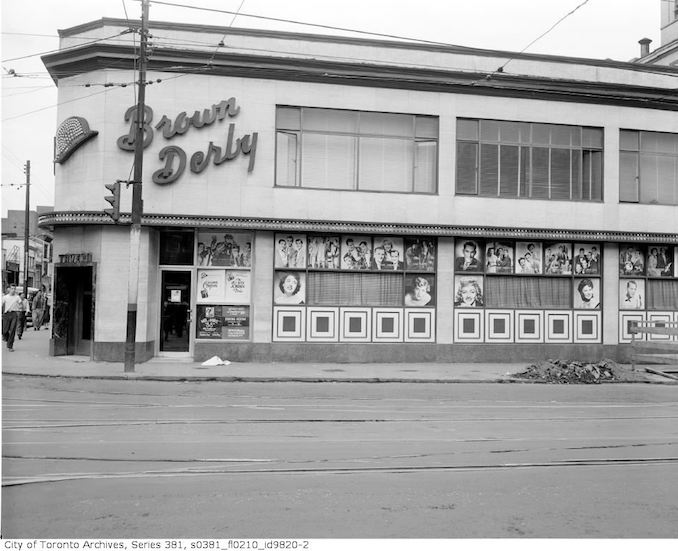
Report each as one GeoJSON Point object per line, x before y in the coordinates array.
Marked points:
{"type": "Point", "coordinates": [11, 306]}
{"type": "Point", "coordinates": [38, 305]}
{"type": "Point", "coordinates": [23, 314]}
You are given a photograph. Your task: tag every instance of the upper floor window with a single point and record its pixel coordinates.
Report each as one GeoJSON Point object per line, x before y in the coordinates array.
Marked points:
{"type": "Point", "coordinates": [529, 160]}
{"type": "Point", "coordinates": [648, 167]}
{"type": "Point", "coordinates": [356, 150]}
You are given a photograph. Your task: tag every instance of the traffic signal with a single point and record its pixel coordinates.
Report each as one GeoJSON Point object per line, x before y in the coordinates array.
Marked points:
{"type": "Point", "coordinates": [114, 200]}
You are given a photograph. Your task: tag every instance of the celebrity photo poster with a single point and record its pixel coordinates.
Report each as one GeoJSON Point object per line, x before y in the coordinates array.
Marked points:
{"type": "Point", "coordinates": [238, 286]}
{"type": "Point", "coordinates": [356, 252]}
{"type": "Point", "coordinates": [586, 293]}
{"type": "Point", "coordinates": [468, 291]}
{"type": "Point", "coordinates": [225, 249]}
{"type": "Point", "coordinates": [586, 259]}
{"type": "Point", "coordinates": [289, 287]}
{"type": "Point", "coordinates": [419, 290]}
{"type": "Point", "coordinates": [420, 254]}
{"type": "Point", "coordinates": [499, 257]}
{"type": "Point", "coordinates": [558, 258]}
{"type": "Point", "coordinates": [659, 261]}
{"type": "Point", "coordinates": [388, 254]}
{"type": "Point", "coordinates": [290, 250]}
{"type": "Point", "coordinates": [632, 294]}
{"type": "Point", "coordinates": [631, 260]}
{"type": "Point", "coordinates": [323, 252]}
{"type": "Point", "coordinates": [528, 257]}
{"type": "Point", "coordinates": [468, 256]}
{"type": "Point", "coordinates": [211, 286]}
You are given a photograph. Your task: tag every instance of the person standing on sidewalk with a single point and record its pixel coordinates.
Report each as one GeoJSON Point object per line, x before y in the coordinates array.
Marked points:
{"type": "Point", "coordinates": [23, 314]}
{"type": "Point", "coordinates": [38, 308]}
{"type": "Point", "coordinates": [11, 306]}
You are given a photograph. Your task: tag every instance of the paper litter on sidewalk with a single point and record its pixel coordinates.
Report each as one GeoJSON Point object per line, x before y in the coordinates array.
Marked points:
{"type": "Point", "coordinates": [215, 360]}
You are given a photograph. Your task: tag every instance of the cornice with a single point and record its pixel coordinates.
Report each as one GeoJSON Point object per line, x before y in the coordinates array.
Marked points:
{"type": "Point", "coordinates": [56, 219]}
{"type": "Point", "coordinates": [220, 31]}
{"type": "Point", "coordinates": [113, 56]}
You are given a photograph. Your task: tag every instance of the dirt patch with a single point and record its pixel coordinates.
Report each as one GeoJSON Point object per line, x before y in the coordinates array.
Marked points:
{"type": "Point", "coordinates": [575, 372]}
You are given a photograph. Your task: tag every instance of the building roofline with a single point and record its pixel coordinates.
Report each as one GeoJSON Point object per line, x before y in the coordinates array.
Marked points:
{"type": "Point", "coordinates": [632, 65]}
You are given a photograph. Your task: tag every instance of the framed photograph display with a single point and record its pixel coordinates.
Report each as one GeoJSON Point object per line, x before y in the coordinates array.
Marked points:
{"type": "Point", "coordinates": [631, 260]}
{"type": "Point", "coordinates": [238, 286]}
{"type": "Point", "coordinates": [586, 293]}
{"type": "Point", "coordinates": [632, 294]}
{"type": "Point", "coordinates": [660, 261]}
{"type": "Point", "coordinates": [558, 258]}
{"type": "Point", "coordinates": [323, 252]}
{"type": "Point", "coordinates": [419, 290]}
{"type": "Point", "coordinates": [216, 248]}
{"type": "Point", "coordinates": [289, 287]}
{"type": "Point", "coordinates": [290, 250]}
{"type": "Point", "coordinates": [528, 257]}
{"type": "Point", "coordinates": [468, 291]}
{"type": "Point", "coordinates": [393, 254]}
{"type": "Point", "coordinates": [499, 257]}
{"type": "Point", "coordinates": [420, 254]}
{"type": "Point", "coordinates": [211, 286]}
{"type": "Point", "coordinates": [468, 256]}
{"type": "Point", "coordinates": [586, 259]}
{"type": "Point", "coordinates": [356, 252]}
{"type": "Point", "coordinates": [223, 322]}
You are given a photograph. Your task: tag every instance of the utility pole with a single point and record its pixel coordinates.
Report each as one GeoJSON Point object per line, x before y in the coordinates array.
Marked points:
{"type": "Point", "coordinates": [137, 202]}
{"type": "Point", "coordinates": [27, 223]}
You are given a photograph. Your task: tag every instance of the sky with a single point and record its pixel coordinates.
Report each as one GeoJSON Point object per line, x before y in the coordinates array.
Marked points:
{"type": "Point", "coordinates": [599, 29]}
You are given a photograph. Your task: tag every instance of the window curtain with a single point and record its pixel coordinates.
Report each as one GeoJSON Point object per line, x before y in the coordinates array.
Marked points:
{"type": "Point", "coordinates": [354, 289]}
{"type": "Point", "coordinates": [528, 292]}
{"type": "Point", "coordinates": [662, 295]}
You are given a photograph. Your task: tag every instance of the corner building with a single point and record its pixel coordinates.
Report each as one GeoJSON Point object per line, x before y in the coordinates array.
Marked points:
{"type": "Point", "coordinates": [322, 198]}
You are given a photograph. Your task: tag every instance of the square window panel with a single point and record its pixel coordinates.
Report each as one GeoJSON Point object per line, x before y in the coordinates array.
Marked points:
{"type": "Point", "coordinates": [625, 319]}
{"type": "Point", "coordinates": [587, 327]}
{"type": "Point", "coordinates": [322, 324]}
{"type": "Point", "coordinates": [289, 324]}
{"type": "Point", "coordinates": [558, 326]}
{"type": "Point", "coordinates": [499, 324]}
{"type": "Point", "coordinates": [660, 319]}
{"type": "Point", "coordinates": [387, 325]}
{"type": "Point", "coordinates": [355, 324]}
{"type": "Point", "coordinates": [468, 325]}
{"type": "Point", "coordinates": [420, 324]}
{"type": "Point", "coordinates": [529, 326]}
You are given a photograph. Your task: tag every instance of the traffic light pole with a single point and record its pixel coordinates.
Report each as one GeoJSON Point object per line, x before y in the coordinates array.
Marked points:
{"type": "Point", "coordinates": [137, 203]}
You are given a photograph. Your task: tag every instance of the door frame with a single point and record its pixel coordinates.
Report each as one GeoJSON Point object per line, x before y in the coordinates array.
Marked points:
{"type": "Point", "coordinates": [191, 309]}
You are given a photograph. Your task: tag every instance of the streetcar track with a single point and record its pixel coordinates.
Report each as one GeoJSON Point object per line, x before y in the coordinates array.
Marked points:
{"type": "Point", "coordinates": [403, 469]}
{"type": "Point", "coordinates": [56, 425]}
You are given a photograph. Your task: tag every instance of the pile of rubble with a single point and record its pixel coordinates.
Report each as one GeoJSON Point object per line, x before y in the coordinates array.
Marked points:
{"type": "Point", "coordinates": [573, 372]}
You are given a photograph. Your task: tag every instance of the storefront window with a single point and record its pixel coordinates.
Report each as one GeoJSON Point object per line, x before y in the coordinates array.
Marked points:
{"type": "Point", "coordinates": [648, 279]}
{"type": "Point", "coordinates": [176, 248]}
{"type": "Point", "coordinates": [527, 274]}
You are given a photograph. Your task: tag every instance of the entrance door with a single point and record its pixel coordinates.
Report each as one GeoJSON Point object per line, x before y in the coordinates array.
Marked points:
{"type": "Point", "coordinates": [73, 311]}
{"type": "Point", "coordinates": [175, 309]}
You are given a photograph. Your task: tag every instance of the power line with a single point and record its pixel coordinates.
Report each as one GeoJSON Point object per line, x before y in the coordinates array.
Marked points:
{"type": "Point", "coordinates": [318, 25]}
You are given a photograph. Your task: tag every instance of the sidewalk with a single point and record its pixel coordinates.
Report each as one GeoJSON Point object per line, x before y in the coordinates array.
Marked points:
{"type": "Point", "coordinates": [31, 358]}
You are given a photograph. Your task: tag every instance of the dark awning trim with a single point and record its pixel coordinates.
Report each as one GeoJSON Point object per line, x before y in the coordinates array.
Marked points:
{"type": "Point", "coordinates": [331, 226]}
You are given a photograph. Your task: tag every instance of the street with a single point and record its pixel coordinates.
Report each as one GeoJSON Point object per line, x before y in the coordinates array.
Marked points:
{"type": "Point", "coordinates": [141, 459]}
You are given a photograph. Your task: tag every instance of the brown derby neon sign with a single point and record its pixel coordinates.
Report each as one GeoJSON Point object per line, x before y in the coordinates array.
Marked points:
{"type": "Point", "coordinates": [175, 157]}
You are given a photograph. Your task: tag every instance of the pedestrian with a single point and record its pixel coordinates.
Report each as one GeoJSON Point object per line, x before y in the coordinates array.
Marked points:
{"type": "Point", "coordinates": [23, 314]}
{"type": "Point", "coordinates": [38, 309]}
{"type": "Point", "coordinates": [11, 305]}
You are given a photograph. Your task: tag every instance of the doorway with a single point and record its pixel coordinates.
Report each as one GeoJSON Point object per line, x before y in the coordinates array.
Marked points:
{"type": "Point", "coordinates": [175, 312]}
{"type": "Point", "coordinates": [73, 311]}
